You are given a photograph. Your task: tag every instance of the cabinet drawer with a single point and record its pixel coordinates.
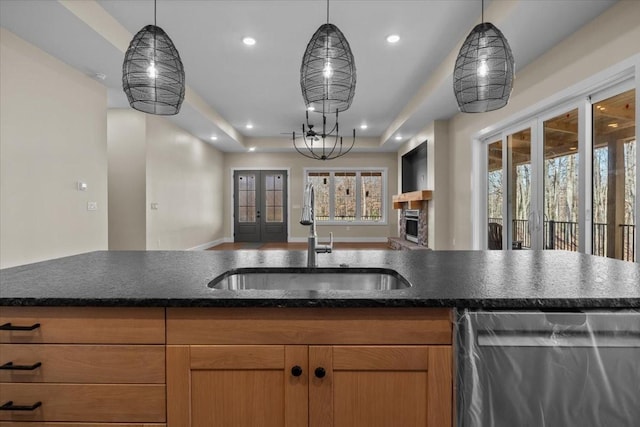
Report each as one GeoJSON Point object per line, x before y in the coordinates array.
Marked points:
{"type": "Point", "coordinates": [83, 325]}
{"type": "Point", "coordinates": [78, 402]}
{"type": "Point", "coordinates": [119, 364]}
{"type": "Point", "coordinates": [308, 326]}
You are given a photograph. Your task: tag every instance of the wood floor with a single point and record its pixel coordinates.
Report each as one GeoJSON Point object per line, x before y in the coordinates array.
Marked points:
{"type": "Point", "coordinates": [299, 246]}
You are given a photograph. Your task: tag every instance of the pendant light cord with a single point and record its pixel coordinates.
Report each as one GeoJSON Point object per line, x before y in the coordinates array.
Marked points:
{"type": "Point", "coordinates": [154, 14]}
{"type": "Point", "coordinates": [482, 12]}
{"type": "Point", "coordinates": [328, 11]}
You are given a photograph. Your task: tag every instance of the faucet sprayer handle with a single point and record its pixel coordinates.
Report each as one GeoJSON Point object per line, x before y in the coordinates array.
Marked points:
{"type": "Point", "coordinates": [325, 249]}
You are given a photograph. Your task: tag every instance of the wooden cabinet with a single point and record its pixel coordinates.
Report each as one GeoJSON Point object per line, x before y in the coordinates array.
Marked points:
{"type": "Point", "coordinates": [71, 364]}
{"type": "Point", "coordinates": [309, 367]}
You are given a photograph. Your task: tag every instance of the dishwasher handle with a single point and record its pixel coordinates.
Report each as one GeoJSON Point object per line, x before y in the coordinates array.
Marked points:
{"type": "Point", "coordinates": [547, 338]}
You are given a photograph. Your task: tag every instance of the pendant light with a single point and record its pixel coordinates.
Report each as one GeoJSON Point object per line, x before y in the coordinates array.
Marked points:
{"type": "Point", "coordinates": [328, 71]}
{"type": "Point", "coordinates": [328, 83]}
{"type": "Point", "coordinates": [152, 72]}
{"type": "Point", "coordinates": [484, 70]}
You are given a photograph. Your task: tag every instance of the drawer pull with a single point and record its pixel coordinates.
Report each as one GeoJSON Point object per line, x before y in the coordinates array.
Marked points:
{"type": "Point", "coordinates": [9, 366]}
{"type": "Point", "coordinates": [9, 406]}
{"type": "Point", "coordinates": [10, 327]}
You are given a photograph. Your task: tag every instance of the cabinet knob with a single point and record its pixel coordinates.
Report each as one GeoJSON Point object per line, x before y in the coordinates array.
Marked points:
{"type": "Point", "coordinates": [296, 371]}
{"type": "Point", "coordinates": [320, 372]}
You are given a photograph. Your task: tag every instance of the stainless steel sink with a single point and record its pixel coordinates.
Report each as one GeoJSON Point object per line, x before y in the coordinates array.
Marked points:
{"type": "Point", "coordinates": [311, 279]}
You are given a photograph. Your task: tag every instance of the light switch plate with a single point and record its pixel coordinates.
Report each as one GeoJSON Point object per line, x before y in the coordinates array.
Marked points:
{"type": "Point", "coordinates": [92, 206]}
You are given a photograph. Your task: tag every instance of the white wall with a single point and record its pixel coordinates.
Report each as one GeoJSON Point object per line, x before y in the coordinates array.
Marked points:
{"type": "Point", "coordinates": [607, 40]}
{"type": "Point", "coordinates": [296, 163]}
{"type": "Point", "coordinates": [52, 134]}
{"type": "Point", "coordinates": [185, 177]}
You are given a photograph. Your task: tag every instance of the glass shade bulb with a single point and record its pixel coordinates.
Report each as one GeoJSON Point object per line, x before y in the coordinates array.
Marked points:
{"type": "Point", "coordinates": [152, 71]}
{"type": "Point", "coordinates": [327, 71]}
{"type": "Point", "coordinates": [483, 69]}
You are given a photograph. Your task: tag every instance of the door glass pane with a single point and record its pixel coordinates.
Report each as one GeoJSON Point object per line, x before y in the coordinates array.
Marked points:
{"type": "Point", "coordinates": [246, 198]}
{"type": "Point", "coordinates": [614, 177]}
{"type": "Point", "coordinates": [561, 182]}
{"type": "Point", "coordinates": [494, 195]}
{"type": "Point", "coordinates": [274, 197]}
{"type": "Point", "coordinates": [321, 187]}
{"type": "Point", "coordinates": [371, 198]}
{"type": "Point", "coordinates": [520, 187]}
{"type": "Point", "coordinates": [345, 195]}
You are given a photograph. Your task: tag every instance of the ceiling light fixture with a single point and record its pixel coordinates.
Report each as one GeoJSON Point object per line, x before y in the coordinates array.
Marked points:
{"type": "Point", "coordinates": [214, 138]}
{"type": "Point", "coordinates": [613, 125]}
{"type": "Point", "coordinates": [152, 72]}
{"type": "Point", "coordinates": [249, 126]}
{"type": "Point", "coordinates": [252, 148]}
{"type": "Point", "coordinates": [484, 71]}
{"type": "Point", "coordinates": [393, 38]}
{"type": "Point", "coordinates": [328, 83]}
{"type": "Point", "coordinates": [398, 137]}
{"type": "Point", "coordinates": [363, 126]}
{"type": "Point", "coordinates": [249, 41]}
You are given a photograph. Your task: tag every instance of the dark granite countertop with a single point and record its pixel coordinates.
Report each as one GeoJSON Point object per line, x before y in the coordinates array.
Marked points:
{"type": "Point", "coordinates": [473, 279]}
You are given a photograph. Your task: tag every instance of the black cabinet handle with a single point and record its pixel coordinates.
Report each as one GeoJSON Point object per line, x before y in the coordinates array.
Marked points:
{"type": "Point", "coordinates": [9, 366]}
{"type": "Point", "coordinates": [9, 406]}
{"type": "Point", "coordinates": [296, 371]}
{"type": "Point", "coordinates": [320, 372]}
{"type": "Point", "coordinates": [10, 327]}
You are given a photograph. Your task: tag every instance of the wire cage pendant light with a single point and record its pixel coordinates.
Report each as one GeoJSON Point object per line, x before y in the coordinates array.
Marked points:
{"type": "Point", "coordinates": [328, 83]}
{"type": "Point", "coordinates": [152, 72]}
{"type": "Point", "coordinates": [484, 71]}
{"type": "Point", "coordinates": [328, 70]}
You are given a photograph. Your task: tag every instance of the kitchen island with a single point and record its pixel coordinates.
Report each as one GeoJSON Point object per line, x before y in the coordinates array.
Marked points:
{"type": "Point", "coordinates": [139, 338]}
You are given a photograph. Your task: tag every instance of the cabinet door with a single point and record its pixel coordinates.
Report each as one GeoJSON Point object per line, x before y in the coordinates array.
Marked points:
{"type": "Point", "coordinates": [237, 386]}
{"type": "Point", "coordinates": [376, 386]}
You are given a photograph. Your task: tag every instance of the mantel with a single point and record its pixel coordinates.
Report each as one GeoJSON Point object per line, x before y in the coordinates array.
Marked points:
{"type": "Point", "coordinates": [414, 199]}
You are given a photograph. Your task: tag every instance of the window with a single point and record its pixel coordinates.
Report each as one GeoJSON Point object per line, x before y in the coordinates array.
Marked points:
{"type": "Point", "coordinates": [349, 195]}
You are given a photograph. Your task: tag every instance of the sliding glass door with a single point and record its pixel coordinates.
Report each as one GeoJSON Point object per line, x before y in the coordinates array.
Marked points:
{"type": "Point", "coordinates": [521, 219]}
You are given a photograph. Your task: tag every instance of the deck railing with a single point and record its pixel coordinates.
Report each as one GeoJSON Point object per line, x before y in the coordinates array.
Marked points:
{"type": "Point", "coordinates": [564, 235]}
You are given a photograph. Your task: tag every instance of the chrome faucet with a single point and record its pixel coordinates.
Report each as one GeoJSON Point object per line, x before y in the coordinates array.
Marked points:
{"type": "Point", "coordinates": [309, 218]}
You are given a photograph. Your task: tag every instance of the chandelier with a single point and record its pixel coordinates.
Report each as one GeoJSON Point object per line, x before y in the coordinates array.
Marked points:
{"type": "Point", "coordinates": [328, 83]}
{"type": "Point", "coordinates": [152, 72]}
{"type": "Point", "coordinates": [484, 70]}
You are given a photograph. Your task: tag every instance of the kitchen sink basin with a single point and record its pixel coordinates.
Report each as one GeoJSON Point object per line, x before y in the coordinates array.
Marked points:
{"type": "Point", "coordinates": [311, 279]}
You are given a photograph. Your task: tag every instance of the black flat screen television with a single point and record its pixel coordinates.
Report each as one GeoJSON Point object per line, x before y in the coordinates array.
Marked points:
{"type": "Point", "coordinates": [414, 169]}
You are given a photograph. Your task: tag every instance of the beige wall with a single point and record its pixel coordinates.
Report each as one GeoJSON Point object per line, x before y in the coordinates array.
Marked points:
{"type": "Point", "coordinates": [184, 177]}
{"type": "Point", "coordinates": [296, 163]}
{"type": "Point", "coordinates": [152, 161]}
{"type": "Point", "coordinates": [126, 139]}
{"type": "Point", "coordinates": [52, 134]}
{"type": "Point", "coordinates": [609, 39]}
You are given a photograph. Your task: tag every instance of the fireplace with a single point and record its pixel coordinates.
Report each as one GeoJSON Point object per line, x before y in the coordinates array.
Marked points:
{"type": "Point", "coordinates": [412, 219]}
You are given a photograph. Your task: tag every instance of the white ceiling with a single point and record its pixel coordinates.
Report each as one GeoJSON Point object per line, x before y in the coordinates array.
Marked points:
{"type": "Point", "coordinates": [400, 88]}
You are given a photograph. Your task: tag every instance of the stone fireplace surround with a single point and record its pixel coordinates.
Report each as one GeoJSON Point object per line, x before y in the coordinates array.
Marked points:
{"type": "Point", "coordinates": [414, 200]}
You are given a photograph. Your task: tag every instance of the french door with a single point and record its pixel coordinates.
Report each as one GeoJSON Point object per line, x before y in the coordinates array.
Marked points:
{"type": "Point", "coordinates": [260, 206]}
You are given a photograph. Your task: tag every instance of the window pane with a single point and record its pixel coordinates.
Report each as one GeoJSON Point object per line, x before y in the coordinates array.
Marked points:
{"type": "Point", "coordinates": [345, 195]}
{"type": "Point", "coordinates": [614, 177]}
{"type": "Point", "coordinates": [246, 198]}
{"type": "Point", "coordinates": [520, 187]}
{"type": "Point", "coordinates": [494, 195]}
{"type": "Point", "coordinates": [273, 193]}
{"type": "Point", "coordinates": [321, 186]}
{"type": "Point", "coordinates": [371, 206]}
{"type": "Point", "coordinates": [561, 182]}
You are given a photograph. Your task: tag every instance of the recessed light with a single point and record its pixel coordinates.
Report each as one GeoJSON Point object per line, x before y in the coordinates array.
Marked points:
{"type": "Point", "coordinates": [573, 148]}
{"type": "Point", "coordinates": [393, 38]}
{"type": "Point", "coordinates": [311, 108]}
{"type": "Point", "coordinates": [214, 138]}
{"type": "Point", "coordinates": [249, 41]}
{"type": "Point", "coordinates": [363, 126]}
{"type": "Point", "coordinates": [613, 125]}
{"type": "Point", "coordinates": [252, 148]}
{"type": "Point", "coordinates": [398, 137]}
{"type": "Point", "coordinates": [249, 126]}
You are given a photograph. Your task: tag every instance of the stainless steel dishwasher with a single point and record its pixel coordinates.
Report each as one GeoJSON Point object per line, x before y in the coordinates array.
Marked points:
{"type": "Point", "coordinates": [548, 369]}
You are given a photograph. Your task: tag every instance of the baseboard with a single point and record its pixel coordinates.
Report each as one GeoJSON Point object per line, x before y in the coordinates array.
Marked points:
{"type": "Point", "coordinates": [325, 239]}
{"type": "Point", "coordinates": [207, 245]}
